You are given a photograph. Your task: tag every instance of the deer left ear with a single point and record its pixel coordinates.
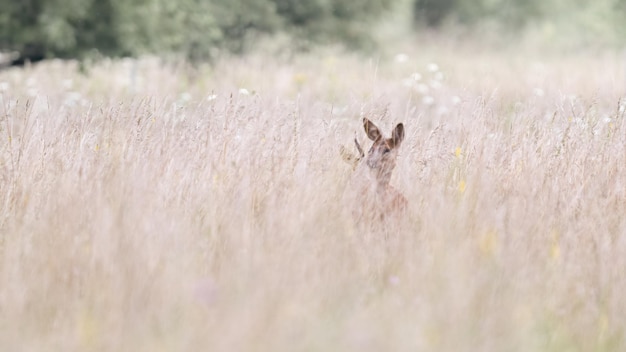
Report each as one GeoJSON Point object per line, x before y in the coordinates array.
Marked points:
{"type": "Point", "coordinates": [371, 130]}
{"type": "Point", "coordinates": [398, 135]}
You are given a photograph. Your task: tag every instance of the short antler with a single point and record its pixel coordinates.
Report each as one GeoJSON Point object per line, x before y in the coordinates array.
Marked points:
{"type": "Point", "coordinates": [358, 147]}
{"type": "Point", "coordinates": [349, 157]}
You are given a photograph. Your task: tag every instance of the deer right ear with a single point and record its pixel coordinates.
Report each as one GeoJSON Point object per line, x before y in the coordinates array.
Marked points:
{"type": "Point", "coordinates": [398, 135]}
{"type": "Point", "coordinates": [371, 130]}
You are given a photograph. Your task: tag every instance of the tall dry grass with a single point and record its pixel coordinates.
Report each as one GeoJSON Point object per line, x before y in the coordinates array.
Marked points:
{"type": "Point", "coordinates": [147, 207]}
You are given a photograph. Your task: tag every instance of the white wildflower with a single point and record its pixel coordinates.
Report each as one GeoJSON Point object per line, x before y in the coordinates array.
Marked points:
{"type": "Point", "coordinates": [67, 83]}
{"type": "Point", "coordinates": [434, 84]}
{"type": "Point", "coordinates": [422, 88]}
{"type": "Point", "coordinates": [185, 97]}
{"type": "Point", "coordinates": [401, 58]}
{"type": "Point", "coordinates": [407, 82]}
{"type": "Point", "coordinates": [412, 80]}
{"type": "Point", "coordinates": [416, 76]}
{"type": "Point", "coordinates": [72, 99]}
{"type": "Point", "coordinates": [428, 100]}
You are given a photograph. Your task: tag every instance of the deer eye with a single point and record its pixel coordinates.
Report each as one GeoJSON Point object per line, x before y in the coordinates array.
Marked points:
{"type": "Point", "coordinates": [386, 150]}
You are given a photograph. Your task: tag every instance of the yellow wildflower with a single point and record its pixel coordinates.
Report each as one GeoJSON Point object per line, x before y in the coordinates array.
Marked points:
{"type": "Point", "coordinates": [555, 249]}
{"type": "Point", "coordinates": [488, 243]}
{"type": "Point", "coordinates": [462, 186]}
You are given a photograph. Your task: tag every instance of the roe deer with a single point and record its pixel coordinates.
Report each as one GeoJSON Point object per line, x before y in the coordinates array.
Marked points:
{"type": "Point", "coordinates": [370, 183]}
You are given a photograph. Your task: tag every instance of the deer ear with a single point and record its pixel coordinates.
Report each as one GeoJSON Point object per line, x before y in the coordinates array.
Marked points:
{"type": "Point", "coordinates": [398, 135]}
{"type": "Point", "coordinates": [371, 130]}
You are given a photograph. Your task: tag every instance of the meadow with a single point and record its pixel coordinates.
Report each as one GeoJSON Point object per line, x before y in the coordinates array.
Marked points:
{"type": "Point", "coordinates": [147, 206]}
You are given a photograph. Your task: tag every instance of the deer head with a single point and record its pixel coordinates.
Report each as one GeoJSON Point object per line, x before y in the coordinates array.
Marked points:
{"type": "Point", "coordinates": [381, 158]}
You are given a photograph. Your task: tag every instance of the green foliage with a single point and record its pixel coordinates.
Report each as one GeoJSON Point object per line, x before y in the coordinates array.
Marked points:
{"type": "Point", "coordinates": [62, 28]}
{"type": "Point", "coordinates": [163, 26]}
{"type": "Point", "coordinates": [323, 21]}
{"type": "Point", "coordinates": [433, 12]}
{"type": "Point", "coordinates": [197, 29]}
{"type": "Point", "coordinates": [512, 13]}
{"type": "Point", "coordinates": [241, 21]}
{"type": "Point", "coordinates": [560, 22]}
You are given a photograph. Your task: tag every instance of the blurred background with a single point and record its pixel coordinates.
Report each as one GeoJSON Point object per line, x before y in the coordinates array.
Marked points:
{"type": "Point", "coordinates": [204, 30]}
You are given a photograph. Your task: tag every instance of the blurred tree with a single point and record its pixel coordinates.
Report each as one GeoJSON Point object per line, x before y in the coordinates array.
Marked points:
{"type": "Point", "coordinates": [509, 13]}
{"type": "Point", "coordinates": [184, 27]}
{"type": "Point", "coordinates": [240, 22]}
{"type": "Point", "coordinates": [18, 26]}
{"type": "Point", "coordinates": [323, 21]}
{"type": "Point", "coordinates": [432, 12]}
{"type": "Point", "coordinates": [61, 28]}
{"type": "Point", "coordinates": [197, 29]}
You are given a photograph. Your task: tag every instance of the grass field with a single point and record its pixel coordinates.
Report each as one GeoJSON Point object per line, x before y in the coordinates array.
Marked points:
{"type": "Point", "coordinates": [151, 207]}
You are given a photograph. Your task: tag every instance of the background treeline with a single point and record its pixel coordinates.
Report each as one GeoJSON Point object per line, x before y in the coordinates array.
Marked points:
{"type": "Point", "coordinates": [198, 29]}
{"type": "Point", "coordinates": [201, 29]}
{"type": "Point", "coordinates": [565, 23]}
